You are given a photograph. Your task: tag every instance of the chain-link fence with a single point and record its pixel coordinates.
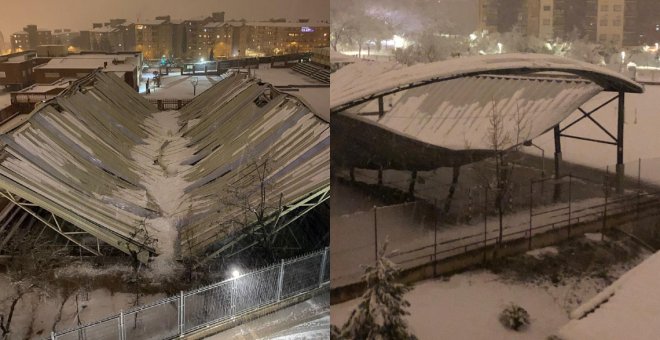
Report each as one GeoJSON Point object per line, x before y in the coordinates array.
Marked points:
{"type": "Point", "coordinates": [184, 314]}
{"type": "Point", "coordinates": [421, 232]}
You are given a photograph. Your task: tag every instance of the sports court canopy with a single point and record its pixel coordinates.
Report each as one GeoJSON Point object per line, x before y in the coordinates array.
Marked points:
{"type": "Point", "coordinates": [447, 113]}
{"type": "Point", "coordinates": [105, 163]}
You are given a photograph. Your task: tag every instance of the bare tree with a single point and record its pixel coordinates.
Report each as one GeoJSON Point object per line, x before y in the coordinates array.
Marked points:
{"type": "Point", "coordinates": [256, 207]}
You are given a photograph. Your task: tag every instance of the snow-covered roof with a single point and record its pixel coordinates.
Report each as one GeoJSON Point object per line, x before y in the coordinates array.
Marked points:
{"type": "Point", "coordinates": [349, 90]}
{"type": "Point", "coordinates": [93, 61]}
{"type": "Point", "coordinates": [627, 309]}
{"type": "Point", "coordinates": [150, 22]}
{"type": "Point", "coordinates": [441, 114]}
{"type": "Point", "coordinates": [104, 29]}
{"type": "Point", "coordinates": [87, 157]}
{"type": "Point", "coordinates": [286, 24]}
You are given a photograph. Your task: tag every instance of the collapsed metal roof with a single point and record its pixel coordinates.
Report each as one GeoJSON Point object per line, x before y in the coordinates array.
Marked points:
{"type": "Point", "coordinates": [447, 117]}
{"type": "Point", "coordinates": [101, 158]}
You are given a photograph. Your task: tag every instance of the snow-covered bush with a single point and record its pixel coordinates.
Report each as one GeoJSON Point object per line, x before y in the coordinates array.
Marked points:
{"type": "Point", "coordinates": [380, 314]}
{"type": "Point", "coordinates": [514, 317]}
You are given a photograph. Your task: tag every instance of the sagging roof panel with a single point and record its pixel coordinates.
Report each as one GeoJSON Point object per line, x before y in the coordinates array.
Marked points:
{"type": "Point", "coordinates": [458, 114]}
{"type": "Point", "coordinates": [101, 157]}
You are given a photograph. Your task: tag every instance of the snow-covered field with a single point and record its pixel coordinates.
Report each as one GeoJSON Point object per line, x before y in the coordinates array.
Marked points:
{"type": "Point", "coordinates": [177, 86]}
{"type": "Point", "coordinates": [467, 305]}
{"type": "Point", "coordinates": [642, 122]}
{"type": "Point", "coordinates": [39, 312]}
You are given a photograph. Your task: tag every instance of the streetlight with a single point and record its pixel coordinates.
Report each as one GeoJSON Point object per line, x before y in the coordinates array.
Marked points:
{"type": "Point", "coordinates": [530, 143]}
{"type": "Point", "coordinates": [499, 47]}
{"type": "Point", "coordinates": [235, 273]}
{"type": "Point", "coordinates": [194, 81]}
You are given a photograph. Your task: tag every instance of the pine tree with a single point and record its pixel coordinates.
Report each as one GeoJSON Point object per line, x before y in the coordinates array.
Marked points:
{"type": "Point", "coordinates": [380, 314]}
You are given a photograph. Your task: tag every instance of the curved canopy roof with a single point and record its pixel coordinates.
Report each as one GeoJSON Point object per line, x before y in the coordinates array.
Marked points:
{"type": "Point", "coordinates": [349, 90]}
{"type": "Point", "coordinates": [458, 111]}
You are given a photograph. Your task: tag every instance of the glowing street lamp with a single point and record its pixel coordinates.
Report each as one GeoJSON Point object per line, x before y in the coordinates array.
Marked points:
{"type": "Point", "coordinates": [194, 81]}
{"type": "Point", "coordinates": [235, 273]}
{"type": "Point", "coordinates": [499, 47]}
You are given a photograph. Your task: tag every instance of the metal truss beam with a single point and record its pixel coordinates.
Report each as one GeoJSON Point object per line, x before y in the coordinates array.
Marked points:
{"type": "Point", "coordinates": [308, 203]}
{"type": "Point", "coordinates": [56, 226]}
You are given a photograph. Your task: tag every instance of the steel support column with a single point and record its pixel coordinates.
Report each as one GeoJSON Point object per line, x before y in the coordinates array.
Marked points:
{"type": "Point", "coordinates": [557, 149]}
{"type": "Point", "coordinates": [620, 167]}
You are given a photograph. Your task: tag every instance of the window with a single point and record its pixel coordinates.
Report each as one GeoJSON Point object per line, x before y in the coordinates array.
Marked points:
{"type": "Point", "coordinates": [3, 74]}
{"type": "Point", "coordinates": [616, 22]}
{"type": "Point", "coordinates": [616, 8]}
{"type": "Point", "coordinates": [546, 22]}
{"type": "Point", "coordinates": [547, 8]}
{"type": "Point", "coordinates": [604, 8]}
{"type": "Point", "coordinates": [602, 37]}
{"type": "Point", "coordinates": [603, 22]}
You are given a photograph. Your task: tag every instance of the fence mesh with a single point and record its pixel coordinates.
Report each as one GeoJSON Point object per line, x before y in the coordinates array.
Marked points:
{"type": "Point", "coordinates": [300, 275]}
{"type": "Point", "coordinates": [175, 316]}
{"type": "Point", "coordinates": [103, 330]}
{"type": "Point", "coordinates": [158, 321]}
{"type": "Point", "coordinates": [532, 206]}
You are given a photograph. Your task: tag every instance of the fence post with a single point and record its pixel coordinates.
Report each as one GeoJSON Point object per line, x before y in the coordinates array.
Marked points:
{"type": "Point", "coordinates": [570, 181]}
{"type": "Point", "coordinates": [376, 235]}
{"type": "Point", "coordinates": [531, 205]}
{"type": "Point", "coordinates": [322, 271]}
{"type": "Point", "coordinates": [435, 238]}
{"type": "Point", "coordinates": [122, 335]}
{"type": "Point", "coordinates": [181, 313]}
{"type": "Point", "coordinates": [485, 220]}
{"type": "Point", "coordinates": [280, 280]}
{"type": "Point", "coordinates": [639, 187]}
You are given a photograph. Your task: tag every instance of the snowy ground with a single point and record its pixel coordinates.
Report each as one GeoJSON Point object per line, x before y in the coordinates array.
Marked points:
{"type": "Point", "coordinates": [5, 99]}
{"type": "Point", "coordinates": [40, 312]}
{"type": "Point", "coordinates": [177, 86]}
{"type": "Point", "coordinates": [308, 320]}
{"type": "Point", "coordinates": [548, 283]}
{"type": "Point", "coordinates": [641, 125]}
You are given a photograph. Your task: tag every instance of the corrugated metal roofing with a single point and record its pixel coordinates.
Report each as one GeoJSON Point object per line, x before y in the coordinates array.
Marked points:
{"type": "Point", "coordinates": [349, 90]}
{"type": "Point", "coordinates": [75, 157]}
{"type": "Point", "coordinates": [456, 114]}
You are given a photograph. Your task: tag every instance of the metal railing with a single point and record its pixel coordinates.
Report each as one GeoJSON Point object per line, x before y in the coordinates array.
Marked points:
{"type": "Point", "coordinates": [169, 104]}
{"type": "Point", "coordinates": [190, 311]}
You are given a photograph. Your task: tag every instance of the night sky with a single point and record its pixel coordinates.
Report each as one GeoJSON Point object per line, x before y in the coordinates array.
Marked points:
{"type": "Point", "coordinates": [80, 14]}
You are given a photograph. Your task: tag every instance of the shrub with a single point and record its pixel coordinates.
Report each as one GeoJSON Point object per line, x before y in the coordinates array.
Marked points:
{"type": "Point", "coordinates": [514, 317]}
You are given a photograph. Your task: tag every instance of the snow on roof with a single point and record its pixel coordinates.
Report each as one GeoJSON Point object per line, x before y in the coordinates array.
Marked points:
{"type": "Point", "coordinates": [20, 33]}
{"type": "Point", "coordinates": [88, 157]}
{"type": "Point", "coordinates": [92, 61]}
{"type": "Point", "coordinates": [104, 29]}
{"type": "Point", "coordinates": [348, 90]}
{"type": "Point", "coordinates": [214, 24]}
{"type": "Point", "coordinates": [455, 114]}
{"type": "Point", "coordinates": [20, 58]}
{"type": "Point", "coordinates": [286, 24]}
{"type": "Point", "coordinates": [150, 22]}
{"type": "Point", "coordinates": [627, 309]}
